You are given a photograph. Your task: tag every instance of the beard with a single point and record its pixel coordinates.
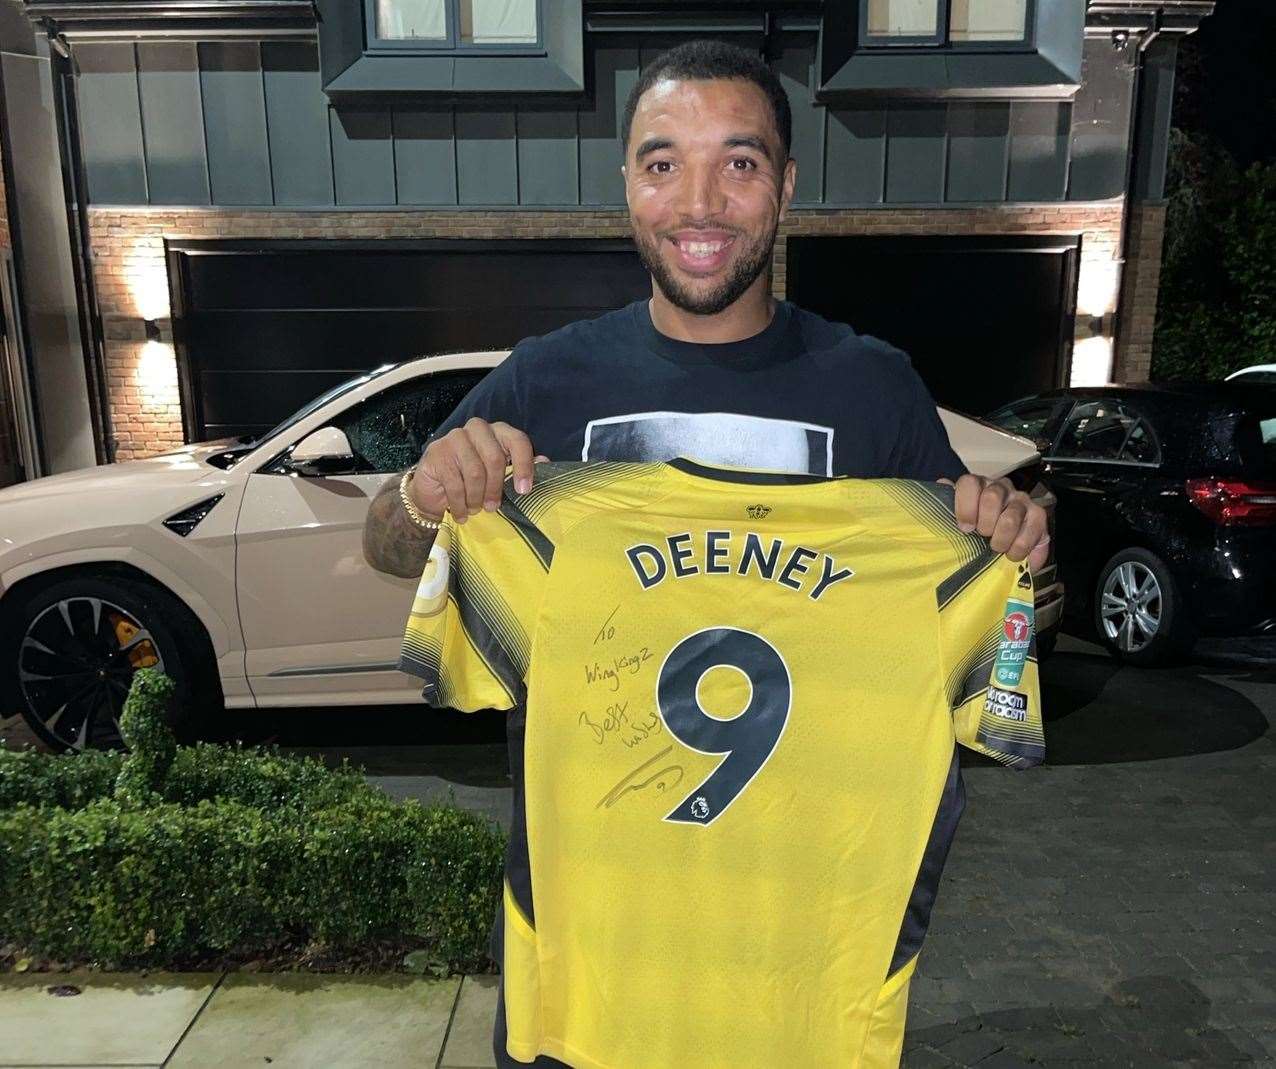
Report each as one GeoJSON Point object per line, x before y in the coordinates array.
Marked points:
{"type": "Point", "coordinates": [741, 274]}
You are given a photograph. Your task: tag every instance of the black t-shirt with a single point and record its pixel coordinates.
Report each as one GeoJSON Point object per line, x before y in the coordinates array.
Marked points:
{"type": "Point", "coordinates": [804, 395]}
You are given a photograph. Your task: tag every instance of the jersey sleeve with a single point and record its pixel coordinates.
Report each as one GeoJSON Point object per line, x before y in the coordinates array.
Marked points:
{"type": "Point", "coordinates": [989, 648]}
{"type": "Point", "coordinates": [469, 633]}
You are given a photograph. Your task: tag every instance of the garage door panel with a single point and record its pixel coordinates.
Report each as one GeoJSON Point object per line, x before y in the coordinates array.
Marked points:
{"type": "Point", "coordinates": [983, 319]}
{"type": "Point", "coordinates": [263, 329]}
{"type": "Point", "coordinates": [425, 280]}
{"type": "Point", "coordinates": [262, 397]}
{"type": "Point", "coordinates": [321, 340]}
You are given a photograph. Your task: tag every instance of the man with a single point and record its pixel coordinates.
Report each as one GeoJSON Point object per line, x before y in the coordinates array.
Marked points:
{"type": "Point", "coordinates": [711, 367]}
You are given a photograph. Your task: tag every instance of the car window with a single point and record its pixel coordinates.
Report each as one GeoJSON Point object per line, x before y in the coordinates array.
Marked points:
{"type": "Point", "coordinates": [1028, 417]}
{"type": "Point", "coordinates": [388, 432]}
{"type": "Point", "coordinates": [1106, 430]}
{"type": "Point", "coordinates": [1255, 376]}
{"type": "Point", "coordinates": [1140, 445]}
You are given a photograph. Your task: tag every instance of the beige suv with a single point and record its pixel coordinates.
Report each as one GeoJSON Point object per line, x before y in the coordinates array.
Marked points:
{"type": "Point", "coordinates": [237, 566]}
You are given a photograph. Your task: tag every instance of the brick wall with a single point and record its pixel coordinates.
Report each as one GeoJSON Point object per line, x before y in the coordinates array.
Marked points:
{"type": "Point", "coordinates": [132, 283]}
{"type": "Point", "coordinates": [1140, 283]}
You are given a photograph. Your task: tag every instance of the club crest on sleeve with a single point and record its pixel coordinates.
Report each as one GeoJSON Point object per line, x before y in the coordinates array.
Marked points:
{"type": "Point", "coordinates": [431, 592]}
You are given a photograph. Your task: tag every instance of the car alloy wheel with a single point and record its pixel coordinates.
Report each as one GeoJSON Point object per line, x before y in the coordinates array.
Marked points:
{"type": "Point", "coordinates": [76, 661]}
{"type": "Point", "coordinates": [1131, 609]}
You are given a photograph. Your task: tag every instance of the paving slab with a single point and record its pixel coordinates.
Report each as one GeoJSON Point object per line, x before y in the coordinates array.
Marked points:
{"type": "Point", "coordinates": [115, 1019]}
{"type": "Point", "coordinates": [304, 1020]}
{"type": "Point", "coordinates": [469, 1042]}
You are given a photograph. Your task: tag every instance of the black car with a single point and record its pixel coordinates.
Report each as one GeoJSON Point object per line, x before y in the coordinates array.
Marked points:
{"type": "Point", "coordinates": [1166, 521]}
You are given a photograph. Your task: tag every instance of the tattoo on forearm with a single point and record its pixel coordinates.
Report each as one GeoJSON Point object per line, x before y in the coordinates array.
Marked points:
{"type": "Point", "coordinates": [392, 543]}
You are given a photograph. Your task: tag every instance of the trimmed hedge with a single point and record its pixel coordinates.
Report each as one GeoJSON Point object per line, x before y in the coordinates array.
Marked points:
{"type": "Point", "coordinates": [168, 852]}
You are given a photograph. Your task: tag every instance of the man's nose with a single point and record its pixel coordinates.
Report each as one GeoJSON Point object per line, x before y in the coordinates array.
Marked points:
{"type": "Point", "coordinates": [701, 194]}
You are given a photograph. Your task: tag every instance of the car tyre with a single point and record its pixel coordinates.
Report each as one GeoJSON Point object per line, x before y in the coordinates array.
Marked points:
{"type": "Point", "coordinates": [86, 636]}
{"type": "Point", "coordinates": [1138, 611]}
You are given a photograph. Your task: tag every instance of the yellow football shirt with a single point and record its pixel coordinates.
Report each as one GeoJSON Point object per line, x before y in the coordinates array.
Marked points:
{"type": "Point", "coordinates": [742, 691]}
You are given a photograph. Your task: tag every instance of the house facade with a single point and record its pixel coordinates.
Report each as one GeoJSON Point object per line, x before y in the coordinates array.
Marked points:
{"type": "Point", "coordinates": [220, 209]}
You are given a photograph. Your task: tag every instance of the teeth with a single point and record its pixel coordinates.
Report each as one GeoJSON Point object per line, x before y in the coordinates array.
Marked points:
{"type": "Point", "coordinates": [699, 248]}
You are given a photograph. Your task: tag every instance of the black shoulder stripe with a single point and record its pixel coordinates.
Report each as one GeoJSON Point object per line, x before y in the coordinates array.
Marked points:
{"type": "Point", "coordinates": [477, 619]}
{"type": "Point", "coordinates": [535, 538]}
{"type": "Point", "coordinates": [964, 576]}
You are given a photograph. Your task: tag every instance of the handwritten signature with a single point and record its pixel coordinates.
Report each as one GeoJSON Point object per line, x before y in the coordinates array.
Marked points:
{"type": "Point", "coordinates": [606, 631]}
{"type": "Point", "coordinates": [644, 776]}
{"type": "Point", "coordinates": [626, 664]}
{"type": "Point", "coordinates": [616, 719]}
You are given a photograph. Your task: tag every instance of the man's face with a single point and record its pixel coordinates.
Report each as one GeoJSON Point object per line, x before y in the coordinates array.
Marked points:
{"type": "Point", "coordinates": [706, 189]}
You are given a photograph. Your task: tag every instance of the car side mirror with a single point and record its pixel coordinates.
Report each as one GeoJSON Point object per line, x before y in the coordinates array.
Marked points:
{"type": "Point", "coordinates": [323, 452]}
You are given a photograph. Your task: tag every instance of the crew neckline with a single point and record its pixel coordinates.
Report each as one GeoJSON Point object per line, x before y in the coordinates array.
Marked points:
{"type": "Point", "coordinates": [686, 469]}
{"type": "Point", "coordinates": [754, 351]}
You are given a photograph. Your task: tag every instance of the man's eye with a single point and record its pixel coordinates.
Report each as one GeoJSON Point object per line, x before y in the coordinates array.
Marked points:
{"type": "Point", "coordinates": [745, 159]}
{"type": "Point", "coordinates": [657, 164]}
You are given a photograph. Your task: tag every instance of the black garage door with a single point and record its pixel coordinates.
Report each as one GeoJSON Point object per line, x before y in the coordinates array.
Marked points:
{"type": "Point", "coordinates": [985, 320]}
{"type": "Point", "coordinates": [261, 328]}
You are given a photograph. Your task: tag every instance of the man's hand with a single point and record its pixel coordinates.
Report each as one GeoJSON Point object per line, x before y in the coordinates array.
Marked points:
{"type": "Point", "coordinates": [464, 470]}
{"type": "Point", "coordinates": [1008, 518]}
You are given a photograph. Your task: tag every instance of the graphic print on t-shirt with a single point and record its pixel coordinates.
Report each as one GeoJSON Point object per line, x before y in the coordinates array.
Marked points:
{"type": "Point", "coordinates": [712, 437]}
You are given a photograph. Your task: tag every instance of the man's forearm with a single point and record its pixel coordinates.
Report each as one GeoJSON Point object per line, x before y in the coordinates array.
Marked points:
{"type": "Point", "coordinates": [391, 541]}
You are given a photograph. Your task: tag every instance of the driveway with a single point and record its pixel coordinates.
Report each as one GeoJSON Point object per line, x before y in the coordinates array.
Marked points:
{"type": "Point", "coordinates": [1112, 907]}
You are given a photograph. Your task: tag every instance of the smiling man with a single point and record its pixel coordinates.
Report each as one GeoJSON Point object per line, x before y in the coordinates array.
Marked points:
{"type": "Point", "coordinates": [710, 367]}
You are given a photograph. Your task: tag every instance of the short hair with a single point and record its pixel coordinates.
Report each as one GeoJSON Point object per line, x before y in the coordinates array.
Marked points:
{"type": "Point", "coordinates": [705, 60]}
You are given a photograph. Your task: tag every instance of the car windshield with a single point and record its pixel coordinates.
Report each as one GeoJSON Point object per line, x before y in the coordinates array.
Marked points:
{"type": "Point", "coordinates": [1264, 375]}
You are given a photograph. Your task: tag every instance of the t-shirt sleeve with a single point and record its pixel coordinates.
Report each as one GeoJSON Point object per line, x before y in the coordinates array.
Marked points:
{"type": "Point", "coordinates": [989, 649]}
{"type": "Point", "coordinates": [469, 633]}
{"type": "Point", "coordinates": [922, 450]}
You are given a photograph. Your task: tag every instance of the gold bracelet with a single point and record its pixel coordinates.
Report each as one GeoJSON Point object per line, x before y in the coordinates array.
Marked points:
{"type": "Point", "coordinates": [413, 512]}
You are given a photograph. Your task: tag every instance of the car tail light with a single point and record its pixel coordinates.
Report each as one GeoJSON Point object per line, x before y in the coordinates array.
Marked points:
{"type": "Point", "coordinates": [1234, 501]}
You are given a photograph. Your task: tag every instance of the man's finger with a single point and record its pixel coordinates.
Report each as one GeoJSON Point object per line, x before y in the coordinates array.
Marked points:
{"type": "Point", "coordinates": [492, 453]}
{"type": "Point", "coordinates": [992, 502]}
{"type": "Point", "coordinates": [966, 501]}
{"type": "Point", "coordinates": [1006, 529]}
{"type": "Point", "coordinates": [442, 462]}
{"type": "Point", "coordinates": [473, 473]}
{"type": "Point", "coordinates": [1040, 554]}
{"type": "Point", "coordinates": [518, 448]}
{"type": "Point", "coordinates": [1031, 530]}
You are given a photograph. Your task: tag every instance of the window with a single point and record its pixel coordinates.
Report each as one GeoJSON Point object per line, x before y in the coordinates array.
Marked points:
{"type": "Point", "coordinates": [389, 432]}
{"type": "Point", "coordinates": [1028, 417]}
{"type": "Point", "coordinates": [951, 49]}
{"type": "Point", "coordinates": [945, 22]}
{"type": "Point", "coordinates": [1107, 430]}
{"type": "Point", "coordinates": [1140, 445]}
{"type": "Point", "coordinates": [456, 24]}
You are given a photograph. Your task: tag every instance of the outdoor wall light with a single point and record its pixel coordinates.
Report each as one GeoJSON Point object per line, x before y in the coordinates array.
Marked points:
{"type": "Point", "coordinates": [152, 330]}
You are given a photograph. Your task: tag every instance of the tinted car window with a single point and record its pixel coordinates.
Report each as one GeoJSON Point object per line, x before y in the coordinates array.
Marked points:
{"type": "Point", "coordinates": [1141, 446]}
{"type": "Point", "coordinates": [1097, 430]}
{"type": "Point", "coordinates": [389, 431]}
{"type": "Point", "coordinates": [1028, 417]}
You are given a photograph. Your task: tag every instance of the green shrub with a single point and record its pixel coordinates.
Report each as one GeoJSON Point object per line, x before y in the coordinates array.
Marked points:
{"type": "Point", "coordinates": [169, 853]}
{"type": "Point", "coordinates": [1216, 303]}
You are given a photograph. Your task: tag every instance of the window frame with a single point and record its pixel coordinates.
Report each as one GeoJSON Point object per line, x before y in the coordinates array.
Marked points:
{"type": "Point", "coordinates": [1046, 66]}
{"type": "Point", "coordinates": [399, 46]}
{"type": "Point", "coordinates": [352, 74]}
{"type": "Point", "coordinates": [1137, 418]}
{"type": "Point", "coordinates": [942, 39]}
